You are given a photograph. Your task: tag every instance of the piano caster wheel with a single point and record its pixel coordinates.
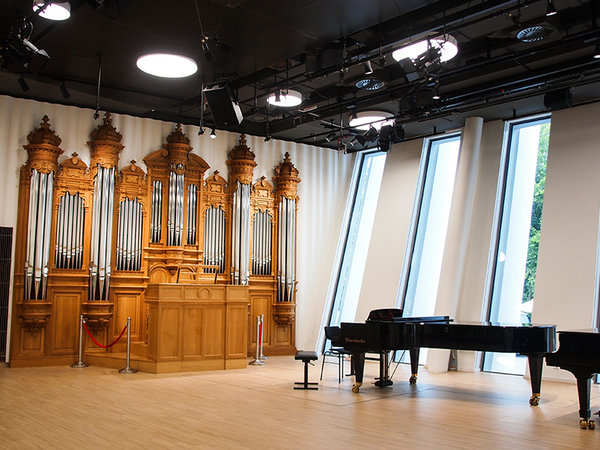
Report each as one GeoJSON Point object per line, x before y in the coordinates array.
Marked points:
{"type": "Point", "coordinates": [356, 388]}
{"type": "Point", "coordinates": [412, 379]}
{"type": "Point", "coordinates": [534, 400]}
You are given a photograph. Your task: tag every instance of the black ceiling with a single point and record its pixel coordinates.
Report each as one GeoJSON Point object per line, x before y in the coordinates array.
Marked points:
{"type": "Point", "coordinates": [316, 47]}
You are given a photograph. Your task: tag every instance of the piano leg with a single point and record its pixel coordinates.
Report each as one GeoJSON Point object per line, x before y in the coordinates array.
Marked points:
{"type": "Point", "coordinates": [584, 387]}
{"type": "Point", "coordinates": [358, 363]}
{"type": "Point", "coordinates": [384, 374]}
{"type": "Point", "coordinates": [536, 363]}
{"type": "Point", "coordinates": [414, 365]}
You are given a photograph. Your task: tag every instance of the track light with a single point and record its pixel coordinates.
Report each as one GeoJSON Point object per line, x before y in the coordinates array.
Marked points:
{"type": "Point", "coordinates": [353, 115]}
{"type": "Point", "coordinates": [64, 91]}
{"type": "Point", "coordinates": [201, 131]}
{"type": "Point", "coordinates": [23, 84]}
{"type": "Point", "coordinates": [551, 10]}
{"type": "Point", "coordinates": [368, 68]}
{"type": "Point", "coordinates": [268, 138]}
{"type": "Point", "coordinates": [213, 134]}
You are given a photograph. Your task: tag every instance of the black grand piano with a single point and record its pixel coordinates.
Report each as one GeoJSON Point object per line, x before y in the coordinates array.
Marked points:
{"type": "Point", "coordinates": [579, 353]}
{"type": "Point", "coordinates": [386, 330]}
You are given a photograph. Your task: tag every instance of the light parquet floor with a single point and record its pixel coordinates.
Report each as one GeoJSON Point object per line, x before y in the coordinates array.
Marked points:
{"type": "Point", "coordinates": [94, 407]}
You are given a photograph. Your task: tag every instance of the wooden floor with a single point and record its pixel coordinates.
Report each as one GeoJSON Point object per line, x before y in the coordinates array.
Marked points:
{"type": "Point", "coordinates": [94, 407]}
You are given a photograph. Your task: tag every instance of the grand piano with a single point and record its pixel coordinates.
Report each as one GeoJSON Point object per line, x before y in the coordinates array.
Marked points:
{"type": "Point", "coordinates": [386, 330]}
{"type": "Point", "coordinates": [579, 353]}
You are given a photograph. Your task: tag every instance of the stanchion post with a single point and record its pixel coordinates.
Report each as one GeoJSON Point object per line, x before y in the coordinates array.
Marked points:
{"type": "Point", "coordinates": [262, 330]}
{"type": "Point", "coordinates": [256, 361]}
{"type": "Point", "coordinates": [80, 363]}
{"type": "Point", "coordinates": [128, 369]}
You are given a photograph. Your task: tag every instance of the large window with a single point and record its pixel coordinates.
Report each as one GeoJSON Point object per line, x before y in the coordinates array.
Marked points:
{"type": "Point", "coordinates": [354, 257]}
{"type": "Point", "coordinates": [418, 288]}
{"type": "Point", "coordinates": [513, 258]}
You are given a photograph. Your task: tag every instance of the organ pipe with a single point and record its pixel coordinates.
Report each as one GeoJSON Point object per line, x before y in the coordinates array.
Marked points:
{"type": "Point", "coordinates": [38, 235]}
{"type": "Point", "coordinates": [286, 250]}
{"type": "Point", "coordinates": [155, 227]}
{"type": "Point", "coordinates": [214, 239]}
{"type": "Point", "coordinates": [101, 243]}
{"type": "Point", "coordinates": [261, 243]}
{"type": "Point", "coordinates": [129, 237]}
{"type": "Point", "coordinates": [69, 232]}
{"type": "Point", "coordinates": [240, 234]}
{"type": "Point", "coordinates": [175, 215]}
{"type": "Point", "coordinates": [192, 205]}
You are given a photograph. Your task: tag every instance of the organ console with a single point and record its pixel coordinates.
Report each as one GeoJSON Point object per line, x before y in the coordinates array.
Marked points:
{"type": "Point", "coordinates": [412, 333]}
{"type": "Point", "coordinates": [192, 258]}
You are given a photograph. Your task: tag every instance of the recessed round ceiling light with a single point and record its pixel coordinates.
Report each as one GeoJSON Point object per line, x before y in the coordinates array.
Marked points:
{"type": "Point", "coordinates": [447, 45]}
{"type": "Point", "coordinates": [367, 119]}
{"type": "Point", "coordinates": [285, 98]}
{"type": "Point", "coordinates": [54, 10]}
{"type": "Point", "coordinates": [167, 65]}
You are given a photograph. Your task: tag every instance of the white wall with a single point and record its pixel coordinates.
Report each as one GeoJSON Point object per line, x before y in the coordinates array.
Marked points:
{"type": "Point", "coordinates": [565, 289]}
{"type": "Point", "coordinates": [325, 178]}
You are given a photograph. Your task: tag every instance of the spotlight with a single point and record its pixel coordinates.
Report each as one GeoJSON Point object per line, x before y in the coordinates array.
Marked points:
{"type": "Point", "coordinates": [52, 10]}
{"type": "Point", "coordinates": [23, 84]}
{"type": "Point", "coordinates": [330, 137]}
{"type": "Point", "coordinates": [371, 134]}
{"type": "Point", "coordinates": [436, 91]}
{"type": "Point", "coordinates": [213, 134]}
{"type": "Point", "coordinates": [359, 139]}
{"type": "Point", "coordinates": [368, 68]}
{"type": "Point", "coordinates": [64, 91]}
{"type": "Point", "coordinates": [551, 10]}
{"type": "Point", "coordinates": [597, 49]}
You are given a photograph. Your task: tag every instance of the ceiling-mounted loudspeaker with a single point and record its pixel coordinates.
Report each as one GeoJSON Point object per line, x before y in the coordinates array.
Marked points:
{"type": "Point", "coordinates": [555, 100]}
{"type": "Point", "coordinates": [223, 106]}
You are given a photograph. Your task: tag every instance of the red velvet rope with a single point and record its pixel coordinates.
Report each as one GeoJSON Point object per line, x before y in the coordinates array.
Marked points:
{"type": "Point", "coordinates": [98, 343]}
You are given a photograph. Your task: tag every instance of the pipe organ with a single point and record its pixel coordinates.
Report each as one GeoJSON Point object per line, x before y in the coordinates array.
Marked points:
{"type": "Point", "coordinates": [191, 259]}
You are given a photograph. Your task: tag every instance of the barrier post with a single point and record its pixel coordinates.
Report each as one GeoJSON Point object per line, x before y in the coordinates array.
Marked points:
{"type": "Point", "coordinates": [256, 361]}
{"type": "Point", "coordinates": [128, 369]}
{"type": "Point", "coordinates": [262, 330]}
{"type": "Point", "coordinates": [80, 363]}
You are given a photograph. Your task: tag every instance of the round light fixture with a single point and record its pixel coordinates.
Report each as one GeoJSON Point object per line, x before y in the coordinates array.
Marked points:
{"type": "Point", "coordinates": [285, 98]}
{"type": "Point", "coordinates": [367, 119]}
{"type": "Point", "coordinates": [167, 65]}
{"type": "Point", "coordinates": [54, 10]}
{"type": "Point", "coordinates": [447, 44]}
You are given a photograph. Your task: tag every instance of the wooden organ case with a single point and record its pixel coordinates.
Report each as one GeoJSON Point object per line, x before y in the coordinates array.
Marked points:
{"type": "Point", "coordinates": [192, 260]}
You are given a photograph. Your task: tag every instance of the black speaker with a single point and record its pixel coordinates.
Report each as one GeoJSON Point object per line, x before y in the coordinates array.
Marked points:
{"type": "Point", "coordinates": [225, 110]}
{"type": "Point", "coordinates": [560, 99]}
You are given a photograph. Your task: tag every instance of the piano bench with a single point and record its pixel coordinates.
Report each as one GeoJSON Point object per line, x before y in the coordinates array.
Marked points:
{"type": "Point", "coordinates": [306, 358]}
